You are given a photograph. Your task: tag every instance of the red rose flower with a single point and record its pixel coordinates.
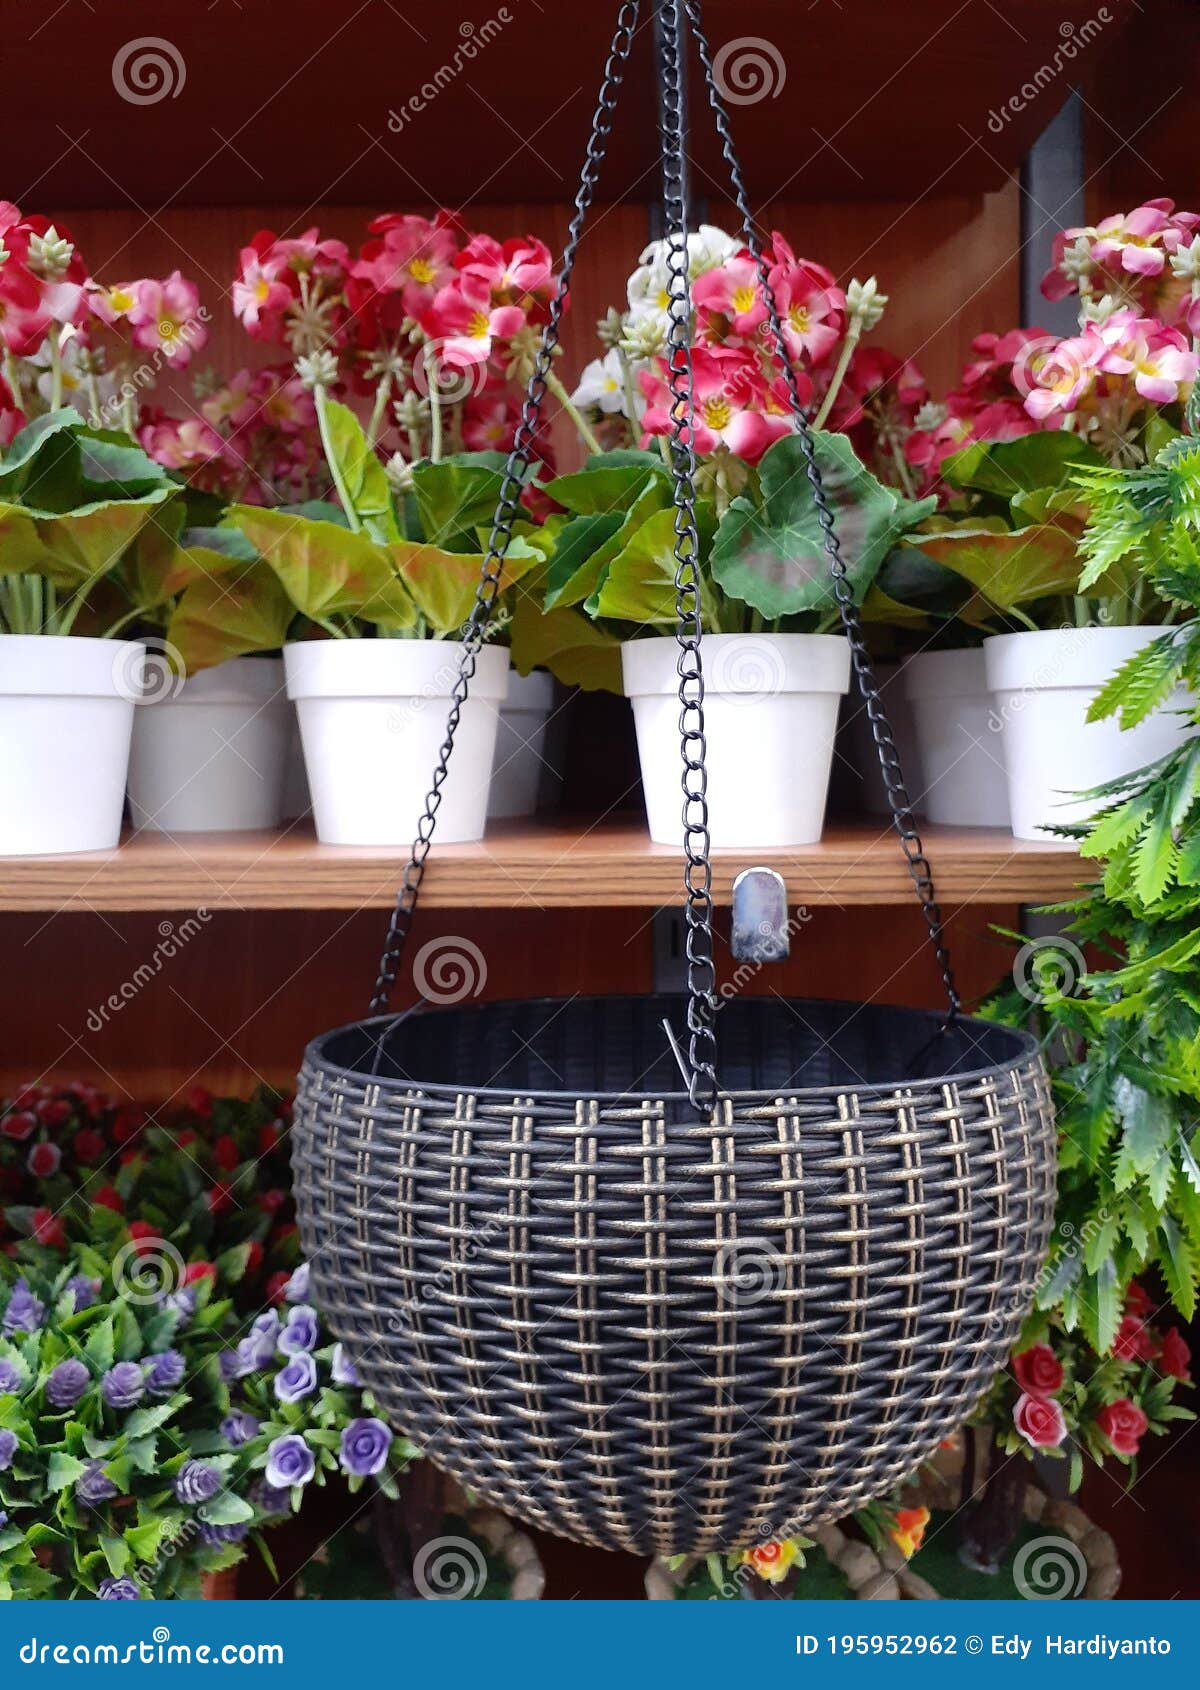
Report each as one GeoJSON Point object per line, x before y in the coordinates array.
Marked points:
{"type": "Point", "coordinates": [53, 1111]}
{"type": "Point", "coordinates": [219, 1199]}
{"type": "Point", "coordinates": [272, 1201]}
{"type": "Point", "coordinates": [128, 1156]}
{"type": "Point", "coordinates": [128, 1123]}
{"type": "Point", "coordinates": [198, 1270]}
{"type": "Point", "coordinates": [1122, 1423]}
{"type": "Point", "coordinates": [44, 1160]}
{"type": "Point", "coordinates": [47, 1228]}
{"type": "Point", "coordinates": [25, 1097]}
{"type": "Point", "coordinates": [1038, 1371]}
{"type": "Point", "coordinates": [200, 1101]}
{"type": "Point", "coordinates": [1176, 1357]}
{"type": "Point", "coordinates": [109, 1197]}
{"type": "Point", "coordinates": [276, 1286]}
{"type": "Point", "coordinates": [145, 1236]}
{"type": "Point", "coordinates": [1137, 1302]}
{"type": "Point", "coordinates": [1134, 1341]}
{"type": "Point", "coordinates": [226, 1153]}
{"type": "Point", "coordinates": [89, 1146]}
{"type": "Point", "coordinates": [18, 1125]}
{"type": "Point", "coordinates": [283, 1233]}
{"type": "Point", "coordinates": [186, 1137]}
{"type": "Point", "coordinates": [254, 1259]}
{"type": "Point", "coordinates": [268, 1138]}
{"type": "Point", "coordinates": [1039, 1421]}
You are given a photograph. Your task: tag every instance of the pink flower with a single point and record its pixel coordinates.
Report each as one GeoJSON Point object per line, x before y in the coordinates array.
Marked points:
{"type": "Point", "coordinates": [467, 325]}
{"type": "Point", "coordinates": [412, 258]}
{"type": "Point", "coordinates": [490, 419]}
{"type": "Point", "coordinates": [1040, 1421]}
{"type": "Point", "coordinates": [519, 272]}
{"type": "Point", "coordinates": [47, 1229]}
{"type": "Point", "coordinates": [166, 318]}
{"type": "Point", "coordinates": [733, 292]}
{"type": "Point", "coordinates": [260, 294]}
{"type": "Point", "coordinates": [181, 445]}
{"type": "Point", "coordinates": [1158, 358]}
{"type": "Point", "coordinates": [734, 407]}
{"type": "Point", "coordinates": [24, 316]}
{"type": "Point", "coordinates": [18, 1124]}
{"type": "Point", "coordinates": [1038, 1371]}
{"type": "Point", "coordinates": [44, 1160]}
{"type": "Point", "coordinates": [1123, 1424]}
{"type": "Point", "coordinates": [308, 254]}
{"type": "Point", "coordinates": [1176, 1357]}
{"type": "Point", "coordinates": [1134, 1340]}
{"type": "Point", "coordinates": [1063, 375]}
{"type": "Point", "coordinates": [1134, 240]}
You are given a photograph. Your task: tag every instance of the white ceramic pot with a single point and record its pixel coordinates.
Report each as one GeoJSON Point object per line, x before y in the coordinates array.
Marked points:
{"type": "Point", "coordinates": [1042, 686]}
{"type": "Point", "coordinates": [296, 801]}
{"type": "Point", "coordinates": [520, 745]}
{"type": "Point", "coordinates": [960, 755]}
{"type": "Point", "coordinates": [859, 742]}
{"type": "Point", "coordinates": [208, 753]}
{"type": "Point", "coordinates": [66, 716]}
{"type": "Point", "coordinates": [373, 717]}
{"type": "Point", "coordinates": [770, 715]}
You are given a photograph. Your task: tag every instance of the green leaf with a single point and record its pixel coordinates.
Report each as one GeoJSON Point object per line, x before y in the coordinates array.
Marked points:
{"type": "Point", "coordinates": [227, 1509]}
{"type": "Point", "coordinates": [219, 618]}
{"type": "Point", "coordinates": [608, 482]}
{"type": "Point", "coordinates": [1100, 1307]}
{"type": "Point", "coordinates": [578, 544]}
{"type": "Point", "coordinates": [640, 583]}
{"type": "Point", "coordinates": [1010, 568]}
{"type": "Point", "coordinates": [64, 1470]}
{"type": "Point", "coordinates": [325, 570]}
{"type": "Point", "coordinates": [1007, 467]}
{"type": "Point", "coordinates": [771, 555]}
{"type": "Point", "coordinates": [100, 1346]}
{"type": "Point", "coordinates": [1178, 1268]}
{"type": "Point", "coordinates": [456, 495]}
{"type": "Point", "coordinates": [19, 463]}
{"type": "Point", "coordinates": [116, 1553]}
{"type": "Point", "coordinates": [1147, 1123]}
{"type": "Point", "coordinates": [565, 642]}
{"type": "Point", "coordinates": [360, 473]}
{"type": "Point", "coordinates": [1142, 682]}
{"type": "Point", "coordinates": [443, 585]}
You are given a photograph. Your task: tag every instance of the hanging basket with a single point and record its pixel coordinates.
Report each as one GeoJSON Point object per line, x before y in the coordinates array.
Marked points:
{"type": "Point", "coordinates": [649, 1318]}
{"type": "Point", "coordinates": [651, 1333]}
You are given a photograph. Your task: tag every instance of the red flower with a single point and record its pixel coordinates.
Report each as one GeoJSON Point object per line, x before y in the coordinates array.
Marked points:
{"type": "Point", "coordinates": [53, 1111]}
{"type": "Point", "coordinates": [1039, 1421]}
{"type": "Point", "coordinates": [200, 1101]}
{"type": "Point", "coordinates": [89, 1146]}
{"type": "Point", "coordinates": [47, 1228]}
{"type": "Point", "coordinates": [272, 1201]}
{"type": "Point", "coordinates": [226, 1153]}
{"type": "Point", "coordinates": [1038, 1371]}
{"type": "Point", "coordinates": [128, 1123]}
{"type": "Point", "coordinates": [186, 1137]}
{"type": "Point", "coordinates": [18, 1125]}
{"type": "Point", "coordinates": [44, 1160]}
{"type": "Point", "coordinates": [1122, 1423]}
{"type": "Point", "coordinates": [1176, 1356]}
{"type": "Point", "coordinates": [1134, 1341]}
{"type": "Point", "coordinates": [108, 1197]}
{"type": "Point", "coordinates": [276, 1286]}
{"type": "Point", "coordinates": [219, 1199]}
{"type": "Point", "coordinates": [145, 1236]}
{"type": "Point", "coordinates": [198, 1270]}
{"type": "Point", "coordinates": [268, 1138]}
{"type": "Point", "coordinates": [254, 1256]}
{"type": "Point", "coordinates": [1137, 1302]}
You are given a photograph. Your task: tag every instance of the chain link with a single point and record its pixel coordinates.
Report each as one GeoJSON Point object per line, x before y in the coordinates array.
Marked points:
{"type": "Point", "coordinates": [697, 877]}
{"type": "Point", "coordinates": [881, 730]}
{"type": "Point", "coordinates": [515, 471]}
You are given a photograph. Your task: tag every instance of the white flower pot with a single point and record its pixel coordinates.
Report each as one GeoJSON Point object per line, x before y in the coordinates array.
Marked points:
{"type": "Point", "coordinates": [66, 716]}
{"type": "Point", "coordinates": [520, 744]}
{"type": "Point", "coordinates": [1042, 686]}
{"type": "Point", "coordinates": [208, 753]}
{"type": "Point", "coordinates": [961, 758]}
{"type": "Point", "coordinates": [373, 716]}
{"type": "Point", "coordinates": [296, 801]}
{"type": "Point", "coordinates": [770, 714]}
{"type": "Point", "coordinates": [859, 742]}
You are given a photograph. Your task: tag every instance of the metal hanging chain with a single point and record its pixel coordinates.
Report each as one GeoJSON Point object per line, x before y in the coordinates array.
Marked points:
{"type": "Point", "coordinates": [881, 731]}
{"type": "Point", "coordinates": [519, 459]}
{"type": "Point", "coordinates": [697, 875]}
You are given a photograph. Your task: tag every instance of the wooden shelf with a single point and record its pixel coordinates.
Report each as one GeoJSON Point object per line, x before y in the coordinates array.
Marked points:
{"type": "Point", "coordinates": [547, 864]}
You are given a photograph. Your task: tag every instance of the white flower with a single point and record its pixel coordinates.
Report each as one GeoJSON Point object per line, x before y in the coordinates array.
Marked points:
{"type": "Point", "coordinates": [317, 369]}
{"type": "Point", "coordinates": [1186, 262]}
{"type": "Point", "coordinates": [930, 415]}
{"type": "Point", "coordinates": [1101, 309]}
{"type": "Point", "coordinates": [1076, 261]}
{"type": "Point", "coordinates": [602, 384]}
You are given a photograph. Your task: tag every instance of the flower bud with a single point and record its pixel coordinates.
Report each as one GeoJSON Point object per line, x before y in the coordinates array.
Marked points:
{"type": "Point", "coordinates": [610, 328]}
{"type": "Point", "coordinates": [1186, 262]}
{"type": "Point", "coordinates": [49, 255]}
{"type": "Point", "coordinates": [865, 303]}
{"type": "Point", "coordinates": [399, 473]}
{"type": "Point", "coordinates": [317, 369]}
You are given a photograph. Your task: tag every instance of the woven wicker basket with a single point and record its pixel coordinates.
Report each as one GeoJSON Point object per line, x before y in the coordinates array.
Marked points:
{"type": "Point", "coordinates": [647, 1332]}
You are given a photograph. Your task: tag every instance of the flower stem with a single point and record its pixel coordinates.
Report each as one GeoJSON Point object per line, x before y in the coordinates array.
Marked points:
{"type": "Point", "coordinates": [435, 405]}
{"type": "Point", "coordinates": [839, 375]}
{"type": "Point", "coordinates": [564, 398]}
{"type": "Point", "coordinates": [56, 374]}
{"type": "Point", "coordinates": [322, 402]}
{"type": "Point", "coordinates": [12, 376]}
{"type": "Point", "coordinates": [383, 393]}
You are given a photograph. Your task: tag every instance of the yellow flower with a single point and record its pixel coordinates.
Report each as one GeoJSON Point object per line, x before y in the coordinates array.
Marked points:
{"type": "Point", "coordinates": [772, 1560]}
{"type": "Point", "coordinates": [909, 1530]}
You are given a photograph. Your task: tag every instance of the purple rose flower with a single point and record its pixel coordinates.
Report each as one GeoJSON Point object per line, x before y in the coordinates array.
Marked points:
{"type": "Point", "coordinates": [119, 1590]}
{"type": "Point", "coordinates": [296, 1289]}
{"type": "Point", "coordinates": [297, 1380]}
{"type": "Point", "coordinates": [238, 1428]}
{"type": "Point", "coordinates": [217, 1535]}
{"type": "Point", "coordinates": [289, 1461]}
{"type": "Point", "coordinates": [8, 1448]}
{"type": "Point", "coordinates": [302, 1332]}
{"type": "Point", "coordinates": [342, 1368]}
{"type": "Point", "coordinates": [83, 1290]}
{"type": "Point", "coordinates": [67, 1383]}
{"type": "Point", "coordinates": [163, 1372]}
{"type": "Point", "coordinates": [10, 1379]}
{"type": "Point", "coordinates": [365, 1445]}
{"type": "Point", "coordinates": [94, 1486]}
{"type": "Point", "coordinates": [24, 1312]}
{"type": "Point", "coordinates": [123, 1385]}
{"type": "Point", "coordinates": [3, 1519]}
{"type": "Point", "coordinates": [183, 1302]}
{"type": "Point", "coordinates": [196, 1481]}
{"type": "Point", "coordinates": [230, 1365]}
{"type": "Point", "coordinates": [268, 1500]}
{"type": "Point", "coordinates": [257, 1349]}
